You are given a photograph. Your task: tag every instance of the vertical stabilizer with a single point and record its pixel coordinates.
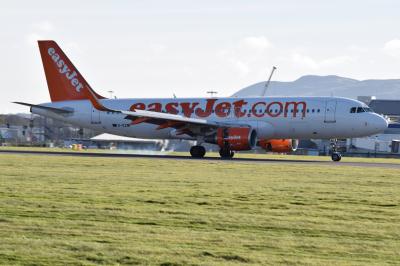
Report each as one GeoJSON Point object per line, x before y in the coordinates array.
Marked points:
{"type": "Point", "coordinates": [63, 78]}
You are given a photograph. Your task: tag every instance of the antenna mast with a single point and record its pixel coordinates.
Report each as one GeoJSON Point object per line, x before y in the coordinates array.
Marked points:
{"type": "Point", "coordinates": [268, 81]}
{"type": "Point", "coordinates": [211, 92]}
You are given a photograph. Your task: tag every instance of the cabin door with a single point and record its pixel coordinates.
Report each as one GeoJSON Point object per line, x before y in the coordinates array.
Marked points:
{"type": "Point", "coordinates": [330, 111]}
{"type": "Point", "coordinates": [95, 117]}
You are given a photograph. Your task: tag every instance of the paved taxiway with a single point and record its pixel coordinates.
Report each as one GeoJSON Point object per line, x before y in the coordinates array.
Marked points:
{"type": "Point", "coordinates": [176, 157]}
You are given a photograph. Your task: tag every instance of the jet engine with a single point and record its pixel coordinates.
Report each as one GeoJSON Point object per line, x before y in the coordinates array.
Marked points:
{"type": "Point", "coordinates": [279, 145]}
{"type": "Point", "coordinates": [236, 138]}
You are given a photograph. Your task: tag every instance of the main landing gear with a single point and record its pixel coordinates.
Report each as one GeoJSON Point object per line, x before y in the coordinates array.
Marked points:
{"type": "Point", "coordinates": [226, 153]}
{"type": "Point", "coordinates": [336, 156]}
{"type": "Point", "coordinates": [197, 151]}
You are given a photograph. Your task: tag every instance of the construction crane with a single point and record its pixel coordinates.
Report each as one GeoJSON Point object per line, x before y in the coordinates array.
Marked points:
{"type": "Point", "coordinates": [268, 81]}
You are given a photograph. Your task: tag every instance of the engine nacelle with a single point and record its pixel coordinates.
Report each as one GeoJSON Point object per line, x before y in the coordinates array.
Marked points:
{"type": "Point", "coordinates": [237, 138]}
{"type": "Point", "coordinates": [279, 145]}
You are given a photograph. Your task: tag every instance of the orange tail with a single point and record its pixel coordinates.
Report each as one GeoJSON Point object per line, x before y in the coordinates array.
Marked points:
{"type": "Point", "coordinates": [63, 78]}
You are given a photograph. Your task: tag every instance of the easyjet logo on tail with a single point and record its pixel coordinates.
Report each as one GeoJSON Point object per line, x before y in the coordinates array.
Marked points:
{"type": "Point", "coordinates": [65, 70]}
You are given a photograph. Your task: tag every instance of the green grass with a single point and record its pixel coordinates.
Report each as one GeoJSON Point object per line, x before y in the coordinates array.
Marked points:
{"type": "Point", "coordinates": [87, 211]}
{"type": "Point", "coordinates": [273, 156]}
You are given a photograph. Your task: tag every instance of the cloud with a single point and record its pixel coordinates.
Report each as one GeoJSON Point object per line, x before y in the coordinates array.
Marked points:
{"type": "Point", "coordinates": [158, 48]}
{"type": "Point", "coordinates": [251, 58]}
{"type": "Point", "coordinates": [336, 61]}
{"type": "Point", "coordinates": [259, 43]}
{"type": "Point", "coordinates": [247, 54]}
{"type": "Point", "coordinates": [32, 38]}
{"type": "Point", "coordinates": [45, 26]}
{"type": "Point", "coordinates": [39, 30]}
{"type": "Point", "coordinates": [392, 48]}
{"type": "Point", "coordinates": [304, 61]}
{"type": "Point", "coordinates": [73, 46]}
{"type": "Point", "coordinates": [241, 67]}
{"type": "Point", "coordinates": [357, 49]}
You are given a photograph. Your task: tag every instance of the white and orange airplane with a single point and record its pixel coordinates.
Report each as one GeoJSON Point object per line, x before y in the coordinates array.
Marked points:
{"type": "Point", "coordinates": [234, 124]}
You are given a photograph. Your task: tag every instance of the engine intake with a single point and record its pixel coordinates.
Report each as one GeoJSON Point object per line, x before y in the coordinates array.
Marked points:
{"type": "Point", "coordinates": [279, 145]}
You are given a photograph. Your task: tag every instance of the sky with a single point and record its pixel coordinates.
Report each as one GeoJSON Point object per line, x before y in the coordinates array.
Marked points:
{"type": "Point", "coordinates": [184, 47]}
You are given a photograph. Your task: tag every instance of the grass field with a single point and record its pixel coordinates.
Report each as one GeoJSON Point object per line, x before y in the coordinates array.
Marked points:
{"type": "Point", "coordinates": [87, 211]}
{"type": "Point", "coordinates": [215, 154]}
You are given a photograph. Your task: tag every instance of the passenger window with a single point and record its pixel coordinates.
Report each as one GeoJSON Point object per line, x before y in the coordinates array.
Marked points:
{"type": "Point", "coordinates": [353, 109]}
{"type": "Point", "coordinates": [313, 110]}
{"type": "Point", "coordinates": [318, 110]}
{"type": "Point", "coordinates": [308, 110]}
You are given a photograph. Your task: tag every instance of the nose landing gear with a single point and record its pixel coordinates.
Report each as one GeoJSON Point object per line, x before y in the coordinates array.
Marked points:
{"type": "Point", "coordinates": [336, 156]}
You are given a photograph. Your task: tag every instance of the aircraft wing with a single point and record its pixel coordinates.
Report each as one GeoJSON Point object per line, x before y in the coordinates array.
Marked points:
{"type": "Point", "coordinates": [184, 125]}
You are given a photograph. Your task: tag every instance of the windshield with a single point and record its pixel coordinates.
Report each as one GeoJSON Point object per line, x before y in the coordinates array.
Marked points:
{"type": "Point", "coordinates": [360, 110]}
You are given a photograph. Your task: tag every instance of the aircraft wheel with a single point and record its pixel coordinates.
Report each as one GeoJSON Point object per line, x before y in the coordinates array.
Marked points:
{"type": "Point", "coordinates": [197, 151]}
{"type": "Point", "coordinates": [226, 153]}
{"type": "Point", "coordinates": [336, 157]}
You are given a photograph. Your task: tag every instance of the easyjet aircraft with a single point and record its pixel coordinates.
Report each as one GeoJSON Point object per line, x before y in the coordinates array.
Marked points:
{"type": "Point", "coordinates": [234, 124]}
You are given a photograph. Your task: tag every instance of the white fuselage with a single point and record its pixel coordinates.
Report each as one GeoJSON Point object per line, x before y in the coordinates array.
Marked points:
{"type": "Point", "coordinates": [272, 117]}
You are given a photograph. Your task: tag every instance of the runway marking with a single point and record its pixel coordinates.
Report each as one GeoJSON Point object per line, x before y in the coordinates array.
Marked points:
{"type": "Point", "coordinates": [177, 157]}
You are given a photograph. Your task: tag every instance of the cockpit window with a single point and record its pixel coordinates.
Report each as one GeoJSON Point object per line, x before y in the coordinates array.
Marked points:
{"type": "Point", "coordinates": [360, 109]}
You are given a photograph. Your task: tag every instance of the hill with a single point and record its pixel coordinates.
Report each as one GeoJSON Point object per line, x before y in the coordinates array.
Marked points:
{"type": "Point", "coordinates": [312, 85]}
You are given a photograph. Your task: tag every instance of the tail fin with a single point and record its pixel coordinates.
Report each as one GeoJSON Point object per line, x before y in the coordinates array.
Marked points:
{"type": "Point", "coordinates": [63, 78]}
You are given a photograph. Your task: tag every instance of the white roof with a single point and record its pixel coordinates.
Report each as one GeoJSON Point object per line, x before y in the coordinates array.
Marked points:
{"type": "Point", "coordinates": [116, 138]}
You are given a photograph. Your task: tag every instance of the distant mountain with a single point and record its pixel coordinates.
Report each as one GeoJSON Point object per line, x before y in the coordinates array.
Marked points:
{"type": "Point", "coordinates": [311, 85]}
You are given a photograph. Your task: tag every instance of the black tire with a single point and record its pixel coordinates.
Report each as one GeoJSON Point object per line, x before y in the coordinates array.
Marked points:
{"type": "Point", "coordinates": [336, 157]}
{"type": "Point", "coordinates": [226, 153]}
{"type": "Point", "coordinates": [197, 151]}
{"type": "Point", "coordinates": [202, 151]}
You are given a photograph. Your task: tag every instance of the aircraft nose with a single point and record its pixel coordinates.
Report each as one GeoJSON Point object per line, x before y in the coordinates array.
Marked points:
{"type": "Point", "coordinates": [379, 123]}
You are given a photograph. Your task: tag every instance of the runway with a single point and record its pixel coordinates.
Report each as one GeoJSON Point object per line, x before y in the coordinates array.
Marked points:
{"type": "Point", "coordinates": [214, 159]}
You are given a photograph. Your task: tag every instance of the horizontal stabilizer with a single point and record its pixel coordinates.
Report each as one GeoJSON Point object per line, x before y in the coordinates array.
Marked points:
{"type": "Point", "coordinates": [52, 109]}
